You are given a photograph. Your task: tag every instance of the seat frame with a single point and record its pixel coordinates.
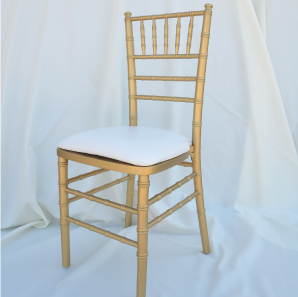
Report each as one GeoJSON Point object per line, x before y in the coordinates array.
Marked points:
{"type": "Point", "coordinates": [106, 164]}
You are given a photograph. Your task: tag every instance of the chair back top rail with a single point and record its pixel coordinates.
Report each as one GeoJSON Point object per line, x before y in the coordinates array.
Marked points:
{"type": "Point", "coordinates": [167, 15]}
{"type": "Point", "coordinates": [167, 56]}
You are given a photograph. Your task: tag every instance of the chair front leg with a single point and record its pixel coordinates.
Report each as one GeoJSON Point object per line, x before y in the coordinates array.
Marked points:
{"type": "Point", "coordinates": [129, 198]}
{"type": "Point", "coordinates": [63, 202]}
{"type": "Point", "coordinates": [142, 230]}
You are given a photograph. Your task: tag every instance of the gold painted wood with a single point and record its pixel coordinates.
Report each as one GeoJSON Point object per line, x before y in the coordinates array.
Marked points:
{"type": "Point", "coordinates": [166, 78]}
{"type": "Point", "coordinates": [101, 188]}
{"type": "Point", "coordinates": [154, 37]}
{"type": "Point", "coordinates": [165, 98]}
{"type": "Point", "coordinates": [142, 230]}
{"type": "Point", "coordinates": [189, 36]}
{"type": "Point", "coordinates": [197, 118]}
{"type": "Point", "coordinates": [101, 200]}
{"type": "Point", "coordinates": [166, 38]}
{"type": "Point", "coordinates": [64, 209]}
{"type": "Point", "coordinates": [185, 164]}
{"type": "Point", "coordinates": [119, 166]}
{"type": "Point", "coordinates": [132, 87]}
{"type": "Point", "coordinates": [129, 198]}
{"type": "Point", "coordinates": [143, 37]}
{"type": "Point", "coordinates": [177, 43]}
{"type": "Point", "coordinates": [179, 56]}
{"type": "Point", "coordinates": [172, 210]}
{"type": "Point", "coordinates": [169, 190]}
{"type": "Point", "coordinates": [82, 176]}
{"type": "Point", "coordinates": [191, 151]}
{"type": "Point", "coordinates": [145, 171]}
{"type": "Point", "coordinates": [102, 231]}
{"type": "Point", "coordinates": [169, 15]}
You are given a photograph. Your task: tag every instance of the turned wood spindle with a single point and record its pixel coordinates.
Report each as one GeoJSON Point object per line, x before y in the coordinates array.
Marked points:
{"type": "Point", "coordinates": [177, 44]}
{"type": "Point", "coordinates": [189, 36]}
{"type": "Point", "coordinates": [166, 36]}
{"type": "Point", "coordinates": [154, 42]}
{"type": "Point", "coordinates": [143, 37]}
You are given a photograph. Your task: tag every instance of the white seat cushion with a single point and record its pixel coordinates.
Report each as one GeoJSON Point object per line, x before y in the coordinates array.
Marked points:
{"type": "Point", "coordinates": [137, 145]}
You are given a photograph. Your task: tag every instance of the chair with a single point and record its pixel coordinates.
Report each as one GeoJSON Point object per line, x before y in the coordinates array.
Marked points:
{"type": "Point", "coordinates": [144, 150]}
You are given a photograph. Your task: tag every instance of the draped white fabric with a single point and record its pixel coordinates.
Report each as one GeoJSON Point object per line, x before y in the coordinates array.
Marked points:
{"type": "Point", "coordinates": [64, 71]}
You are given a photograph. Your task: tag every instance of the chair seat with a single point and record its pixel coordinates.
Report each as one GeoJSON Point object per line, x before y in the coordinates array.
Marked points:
{"type": "Point", "coordinates": [137, 145]}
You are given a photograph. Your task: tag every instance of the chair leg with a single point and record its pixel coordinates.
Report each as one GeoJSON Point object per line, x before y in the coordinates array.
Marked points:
{"type": "Point", "coordinates": [63, 202]}
{"type": "Point", "coordinates": [129, 199]}
{"type": "Point", "coordinates": [142, 253]}
{"type": "Point", "coordinates": [201, 214]}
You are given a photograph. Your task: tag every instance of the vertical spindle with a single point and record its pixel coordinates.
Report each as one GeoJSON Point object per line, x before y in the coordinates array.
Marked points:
{"type": "Point", "coordinates": [143, 37]}
{"type": "Point", "coordinates": [154, 42]}
{"type": "Point", "coordinates": [177, 44]}
{"type": "Point", "coordinates": [189, 36]}
{"type": "Point", "coordinates": [166, 36]}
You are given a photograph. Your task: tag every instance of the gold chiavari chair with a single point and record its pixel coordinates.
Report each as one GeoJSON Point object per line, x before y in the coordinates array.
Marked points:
{"type": "Point", "coordinates": [124, 149]}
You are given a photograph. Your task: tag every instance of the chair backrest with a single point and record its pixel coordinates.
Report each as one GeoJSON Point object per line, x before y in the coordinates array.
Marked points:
{"type": "Point", "coordinates": [199, 79]}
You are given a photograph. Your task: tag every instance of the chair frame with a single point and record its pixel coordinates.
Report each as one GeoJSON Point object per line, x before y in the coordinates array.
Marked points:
{"type": "Point", "coordinates": [106, 164]}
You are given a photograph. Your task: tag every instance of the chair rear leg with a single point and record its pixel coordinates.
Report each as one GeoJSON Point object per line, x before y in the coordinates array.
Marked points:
{"type": "Point", "coordinates": [201, 214]}
{"type": "Point", "coordinates": [129, 198]}
{"type": "Point", "coordinates": [142, 230]}
{"type": "Point", "coordinates": [63, 202]}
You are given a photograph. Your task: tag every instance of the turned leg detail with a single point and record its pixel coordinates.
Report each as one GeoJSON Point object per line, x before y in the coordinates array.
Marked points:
{"type": "Point", "coordinates": [63, 202]}
{"type": "Point", "coordinates": [201, 214]}
{"type": "Point", "coordinates": [142, 230]}
{"type": "Point", "coordinates": [129, 199]}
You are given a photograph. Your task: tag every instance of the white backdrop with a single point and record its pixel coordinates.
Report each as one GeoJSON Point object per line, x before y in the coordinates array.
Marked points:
{"type": "Point", "coordinates": [64, 71]}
